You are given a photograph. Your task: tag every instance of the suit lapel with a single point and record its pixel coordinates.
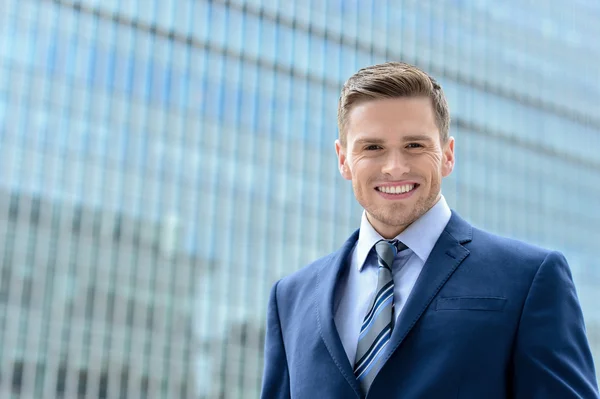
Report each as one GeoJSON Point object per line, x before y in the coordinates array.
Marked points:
{"type": "Point", "coordinates": [327, 278]}
{"type": "Point", "coordinates": [447, 254]}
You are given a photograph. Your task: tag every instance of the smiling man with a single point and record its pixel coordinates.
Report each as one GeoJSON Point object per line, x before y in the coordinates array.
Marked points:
{"type": "Point", "coordinates": [418, 303]}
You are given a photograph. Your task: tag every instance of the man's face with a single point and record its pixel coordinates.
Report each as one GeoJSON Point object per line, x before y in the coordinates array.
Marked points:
{"type": "Point", "coordinates": [395, 160]}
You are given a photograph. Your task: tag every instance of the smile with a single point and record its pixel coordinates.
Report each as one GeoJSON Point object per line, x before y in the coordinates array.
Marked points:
{"type": "Point", "coordinates": [401, 189]}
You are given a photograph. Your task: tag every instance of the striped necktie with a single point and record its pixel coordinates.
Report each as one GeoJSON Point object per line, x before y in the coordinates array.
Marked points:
{"type": "Point", "coordinates": [377, 326]}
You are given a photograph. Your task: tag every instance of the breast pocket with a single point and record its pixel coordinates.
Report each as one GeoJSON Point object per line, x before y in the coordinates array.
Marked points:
{"type": "Point", "coordinates": [471, 303]}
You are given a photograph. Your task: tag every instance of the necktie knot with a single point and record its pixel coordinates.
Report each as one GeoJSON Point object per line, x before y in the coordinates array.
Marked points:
{"type": "Point", "coordinates": [387, 250]}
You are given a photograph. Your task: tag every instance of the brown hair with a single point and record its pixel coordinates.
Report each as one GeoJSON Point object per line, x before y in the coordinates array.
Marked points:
{"type": "Point", "coordinates": [392, 80]}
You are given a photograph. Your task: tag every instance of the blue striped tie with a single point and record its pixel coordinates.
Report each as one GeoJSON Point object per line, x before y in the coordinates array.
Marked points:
{"type": "Point", "coordinates": [377, 326]}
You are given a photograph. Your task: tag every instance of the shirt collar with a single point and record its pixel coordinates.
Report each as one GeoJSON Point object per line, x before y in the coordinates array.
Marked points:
{"type": "Point", "coordinates": [420, 236]}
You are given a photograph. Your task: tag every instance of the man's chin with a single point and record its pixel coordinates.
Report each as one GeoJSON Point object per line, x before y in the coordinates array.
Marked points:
{"type": "Point", "coordinates": [390, 219]}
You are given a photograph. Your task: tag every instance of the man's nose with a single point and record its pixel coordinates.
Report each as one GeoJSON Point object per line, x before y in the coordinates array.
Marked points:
{"type": "Point", "coordinates": [395, 164]}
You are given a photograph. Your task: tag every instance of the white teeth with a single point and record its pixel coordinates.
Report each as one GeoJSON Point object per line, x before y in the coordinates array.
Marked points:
{"type": "Point", "coordinates": [396, 189]}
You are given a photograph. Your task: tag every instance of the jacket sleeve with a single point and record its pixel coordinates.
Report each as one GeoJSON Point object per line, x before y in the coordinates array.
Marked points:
{"type": "Point", "coordinates": [552, 357]}
{"type": "Point", "coordinates": [276, 380]}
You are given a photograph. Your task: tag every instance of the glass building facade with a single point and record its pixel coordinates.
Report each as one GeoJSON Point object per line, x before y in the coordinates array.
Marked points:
{"type": "Point", "coordinates": [163, 163]}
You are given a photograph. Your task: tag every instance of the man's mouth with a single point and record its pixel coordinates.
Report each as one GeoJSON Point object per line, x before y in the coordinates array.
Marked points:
{"type": "Point", "coordinates": [400, 189]}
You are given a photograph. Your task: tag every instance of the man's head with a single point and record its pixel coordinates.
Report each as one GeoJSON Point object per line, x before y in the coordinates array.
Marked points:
{"type": "Point", "coordinates": [394, 137]}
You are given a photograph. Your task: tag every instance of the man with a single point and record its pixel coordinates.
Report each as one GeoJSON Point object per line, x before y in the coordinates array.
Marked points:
{"type": "Point", "coordinates": [418, 303]}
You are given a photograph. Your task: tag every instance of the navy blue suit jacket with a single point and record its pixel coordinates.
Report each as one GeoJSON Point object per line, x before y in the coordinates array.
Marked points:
{"type": "Point", "coordinates": [489, 317]}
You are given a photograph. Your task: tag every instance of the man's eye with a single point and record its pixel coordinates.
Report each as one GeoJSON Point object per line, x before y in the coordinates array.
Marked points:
{"type": "Point", "coordinates": [372, 147]}
{"type": "Point", "coordinates": [414, 145]}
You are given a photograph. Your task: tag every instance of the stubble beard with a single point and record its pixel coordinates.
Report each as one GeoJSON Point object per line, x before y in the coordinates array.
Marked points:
{"type": "Point", "coordinates": [399, 215]}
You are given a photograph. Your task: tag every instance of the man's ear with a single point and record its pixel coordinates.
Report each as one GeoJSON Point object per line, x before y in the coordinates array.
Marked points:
{"type": "Point", "coordinates": [342, 160]}
{"type": "Point", "coordinates": [448, 158]}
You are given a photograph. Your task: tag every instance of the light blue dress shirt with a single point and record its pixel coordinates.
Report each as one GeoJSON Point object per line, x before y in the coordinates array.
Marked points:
{"type": "Point", "coordinates": [355, 292]}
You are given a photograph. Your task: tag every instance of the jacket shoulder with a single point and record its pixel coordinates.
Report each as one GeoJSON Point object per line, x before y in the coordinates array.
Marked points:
{"type": "Point", "coordinates": [485, 245]}
{"type": "Point", "coordinates": [507, 250]}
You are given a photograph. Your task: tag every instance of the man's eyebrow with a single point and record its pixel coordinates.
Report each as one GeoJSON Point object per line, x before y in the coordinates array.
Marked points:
{"type": "Point", "coordinates": [367, 140]}
{"type": "Point", "coordinates": [418, 137]}
{"type": "Point", "coordinates": [373, 140]}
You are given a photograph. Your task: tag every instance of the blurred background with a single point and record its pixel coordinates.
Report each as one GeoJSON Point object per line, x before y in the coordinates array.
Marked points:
{"type": "Point", "coordinates": [163, 163]}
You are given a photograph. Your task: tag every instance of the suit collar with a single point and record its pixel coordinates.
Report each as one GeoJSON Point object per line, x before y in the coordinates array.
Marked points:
{"type": "Point", "coordinates": [459, 228]}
